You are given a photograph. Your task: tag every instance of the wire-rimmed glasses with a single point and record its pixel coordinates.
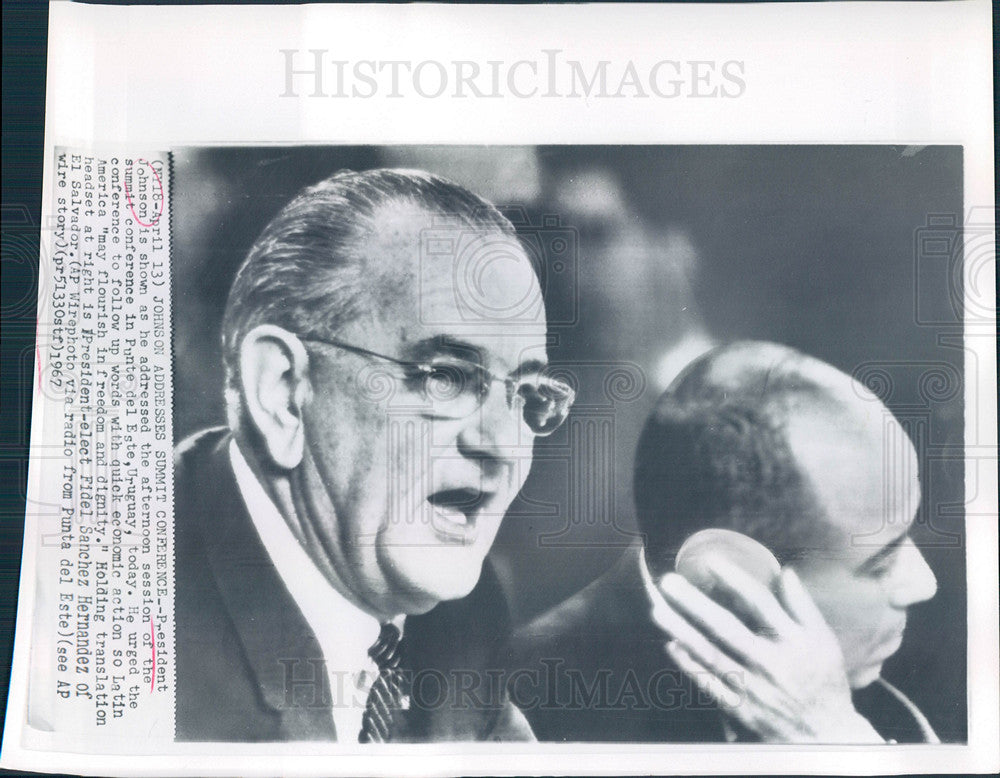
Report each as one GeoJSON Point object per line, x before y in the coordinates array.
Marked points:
{"type": "Point", "coordinates": [455, 388]}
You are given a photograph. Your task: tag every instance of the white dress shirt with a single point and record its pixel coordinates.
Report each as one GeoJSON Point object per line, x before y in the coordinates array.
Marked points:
{"type": "Point", "coordinates": [344, 631]}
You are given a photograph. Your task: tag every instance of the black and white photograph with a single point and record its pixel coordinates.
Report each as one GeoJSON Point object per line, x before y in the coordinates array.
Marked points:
{"type": "Point", "coordinates": [642, 444]}
{"type": "Point", "coordinates": [519, 389]}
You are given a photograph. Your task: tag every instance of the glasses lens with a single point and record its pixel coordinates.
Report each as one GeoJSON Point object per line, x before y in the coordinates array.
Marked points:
{"type": "Point", "coordinates": [546, 403]}
{"type": "Point", "coordinates": [452, 389]}
{"type": "Point", "coordinates": [455, 389]}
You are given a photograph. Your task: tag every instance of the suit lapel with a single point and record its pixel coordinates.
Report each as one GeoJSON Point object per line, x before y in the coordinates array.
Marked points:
{"type": "Point", "coordinates": [279, 649]}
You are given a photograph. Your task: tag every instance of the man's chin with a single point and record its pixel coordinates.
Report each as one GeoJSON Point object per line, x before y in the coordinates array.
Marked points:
{"type": "Point", "coordinates": [866, 676]}
{"type": "Point", "coordinates": [429, 577]}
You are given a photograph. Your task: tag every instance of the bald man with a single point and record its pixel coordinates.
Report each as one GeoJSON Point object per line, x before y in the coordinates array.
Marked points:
{"type": "Point", "coordinates": [768, 442]}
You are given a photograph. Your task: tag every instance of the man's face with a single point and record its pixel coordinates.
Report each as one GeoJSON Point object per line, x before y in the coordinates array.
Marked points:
{"type": "Point", "coordinates": [401, 504]}
{"type": "Point", "coordinates": [866, 571]}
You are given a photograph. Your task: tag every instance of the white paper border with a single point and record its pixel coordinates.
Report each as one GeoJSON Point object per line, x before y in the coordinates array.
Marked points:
{"type": "Point", "coordinates": [913, 73]}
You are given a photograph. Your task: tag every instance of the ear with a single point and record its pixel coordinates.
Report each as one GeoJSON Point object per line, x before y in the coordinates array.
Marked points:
{"type": "Point", "coordinates": [274, 383]}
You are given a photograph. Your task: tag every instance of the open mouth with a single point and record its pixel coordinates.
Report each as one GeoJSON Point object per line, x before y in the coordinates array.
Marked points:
{"type": "Point", "coordinates": [454, 513]}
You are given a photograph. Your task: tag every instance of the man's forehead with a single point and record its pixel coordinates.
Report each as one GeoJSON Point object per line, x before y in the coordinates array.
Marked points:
{"type": "Point", "coordinates": [397, 225]}
{"type": "Point", "coordinates": [436, 279]}
{"type": "Point", "coordinates": [480, 269]}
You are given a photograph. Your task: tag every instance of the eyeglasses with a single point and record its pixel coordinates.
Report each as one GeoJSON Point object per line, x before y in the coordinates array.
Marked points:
{"type": "Point", "coordinates": [455, 388]}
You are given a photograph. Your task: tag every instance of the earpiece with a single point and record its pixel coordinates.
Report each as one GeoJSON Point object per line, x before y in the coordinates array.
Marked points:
{"type": "Point", "coordinates": [738, 548]}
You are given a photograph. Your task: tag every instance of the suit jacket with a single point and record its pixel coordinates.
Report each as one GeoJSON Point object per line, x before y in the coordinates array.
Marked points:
{"type": "Point", "coordinates": [603, 674]}
{"type": "Point", "coordinates": [249, 668]}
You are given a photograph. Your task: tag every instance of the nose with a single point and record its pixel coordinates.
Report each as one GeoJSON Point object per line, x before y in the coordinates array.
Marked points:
{"type": "Point", "coordinates": [914, 581]}
{"type": "Point", "coordinates": [496, 435]}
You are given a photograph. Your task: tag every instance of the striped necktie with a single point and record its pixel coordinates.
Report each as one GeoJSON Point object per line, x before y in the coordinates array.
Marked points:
{"type": "Point", "coordinates": [388, 695]}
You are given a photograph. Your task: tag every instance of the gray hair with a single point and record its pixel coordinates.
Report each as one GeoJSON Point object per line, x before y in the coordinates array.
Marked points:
{"type": "Point", "coordinates": [306, 272]}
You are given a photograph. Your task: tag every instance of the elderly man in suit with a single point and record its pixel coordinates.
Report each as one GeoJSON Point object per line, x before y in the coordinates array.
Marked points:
{"type": "Point", "coordinates": [762, 440]}
{"type": "Point", "coordinates": [385, 352]}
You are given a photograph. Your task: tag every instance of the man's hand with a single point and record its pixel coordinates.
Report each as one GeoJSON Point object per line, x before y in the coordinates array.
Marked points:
{"type": "Point", "coordinates": [785, 681]}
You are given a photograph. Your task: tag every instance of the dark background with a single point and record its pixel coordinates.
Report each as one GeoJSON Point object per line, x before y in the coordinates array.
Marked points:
{"type": "Point", "coordinates": [651, 254]}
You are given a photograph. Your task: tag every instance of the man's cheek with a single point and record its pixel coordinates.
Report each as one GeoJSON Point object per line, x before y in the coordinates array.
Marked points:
{"type": "Point", "coordinates": [498, 507]}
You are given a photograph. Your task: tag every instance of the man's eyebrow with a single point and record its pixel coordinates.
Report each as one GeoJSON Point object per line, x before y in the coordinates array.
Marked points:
{"type": "Point", "coordinates": [450, 346]}
{"type": "Point", "coordinates": [883, 553]}
{"type": "Point", "coordinates": [443, 345]}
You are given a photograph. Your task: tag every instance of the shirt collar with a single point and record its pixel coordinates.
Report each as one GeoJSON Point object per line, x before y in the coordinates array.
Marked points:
{"type": "Point", "coordinates": [652, 590]}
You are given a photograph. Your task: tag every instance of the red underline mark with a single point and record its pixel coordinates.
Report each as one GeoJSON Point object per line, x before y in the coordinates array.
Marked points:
{"type": "Point", "coordinates": [152, 637]}
{"type": "Point", "coordinates": [128, 196]}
